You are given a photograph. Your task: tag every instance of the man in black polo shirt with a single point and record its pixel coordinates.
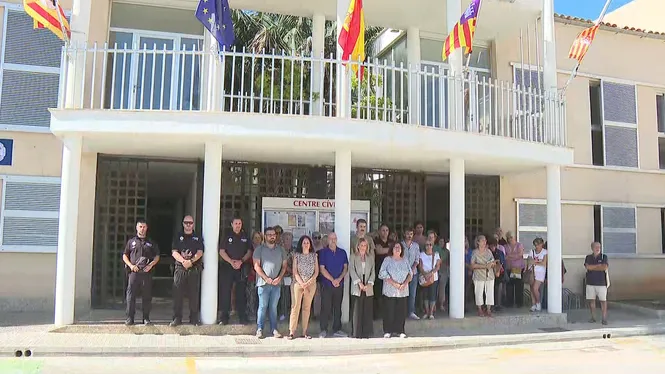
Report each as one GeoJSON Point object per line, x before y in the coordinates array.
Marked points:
{"type": "Point", "coordinates": [235, 248]}
{"type": "Point", "coordinates": [140, 257]}
{"type": "Point", "coordinates": [187, 250]}
{"type": "Point", "coordinates": [596, 281]}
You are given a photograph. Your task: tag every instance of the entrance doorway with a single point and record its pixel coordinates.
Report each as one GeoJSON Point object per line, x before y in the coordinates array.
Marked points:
{"type": "Point", "coordinates": [161, 192]}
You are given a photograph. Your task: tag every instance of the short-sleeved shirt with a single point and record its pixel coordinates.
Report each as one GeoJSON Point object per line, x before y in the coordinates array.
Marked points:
{"type": "Point", "coordinates": [141, 251]}
{"type": "Point", "coordinates": [271, 261]}
{"type": "Point", "coordinates": [427, 263]}
{"type": "Point", "coordinates": [596, 277]}
{"type": "Point", "coordinates": [235, 245]}
{"type": "Point", "coordinates": [187, 245]}
{"type": "Point", "coordinates": [334, 262]}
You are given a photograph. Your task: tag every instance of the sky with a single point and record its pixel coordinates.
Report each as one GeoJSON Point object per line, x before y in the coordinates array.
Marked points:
{"type": "Point", "coordinates": [588, 9]}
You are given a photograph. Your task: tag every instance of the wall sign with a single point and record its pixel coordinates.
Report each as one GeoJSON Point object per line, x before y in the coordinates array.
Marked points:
{"type": "Point", "coordinates": [6, 152]}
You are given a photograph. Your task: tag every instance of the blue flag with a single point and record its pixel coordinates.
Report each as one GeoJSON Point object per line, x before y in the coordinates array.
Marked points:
{"type": "Point", "coordinates": [215, 15]}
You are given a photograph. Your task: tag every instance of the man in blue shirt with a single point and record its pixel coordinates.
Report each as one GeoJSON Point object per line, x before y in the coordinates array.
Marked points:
{"type": "Point", "coordinates": [333, 264]}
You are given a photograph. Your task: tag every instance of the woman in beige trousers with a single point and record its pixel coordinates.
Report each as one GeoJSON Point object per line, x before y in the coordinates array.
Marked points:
{"type": "Point", "coordinates": [303, 288]}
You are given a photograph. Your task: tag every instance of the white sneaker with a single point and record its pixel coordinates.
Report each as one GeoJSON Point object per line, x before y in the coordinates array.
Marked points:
{"type": "Point", "coordinates": [538, 307]}
{"type": "Point", "coordinates": [431, 316]}
{"type": "Point", "coordinates": [387, 336]}
{"type": "Point", "coordinates": [340, 334]}
{"type": "Point", "coordinates": [414, 316]}
{"type": "Point", "coordinates": [402, 335]}
{"type": "Point", "coordinates": [533, 308]}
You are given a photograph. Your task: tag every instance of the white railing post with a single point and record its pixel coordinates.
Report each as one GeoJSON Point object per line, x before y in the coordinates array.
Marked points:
{"type": "Point", "coordinates": [343, 98]}
{"type": "Point", "coordinates": [318, 44]}
{"type": "Point", "coordinates": [549, 66]}
{"type": "Point", "coordinates": [413, 60]}
{"type": "Point", "coordinates": [456, 83]}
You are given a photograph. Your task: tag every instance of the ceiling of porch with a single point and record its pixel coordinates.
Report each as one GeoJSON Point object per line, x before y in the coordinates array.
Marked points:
{"type": "Point", "coordinates": [497, 16]}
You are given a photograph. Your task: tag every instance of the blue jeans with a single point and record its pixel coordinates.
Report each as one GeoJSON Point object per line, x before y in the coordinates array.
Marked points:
{"type": "Point", "coordinates": [413, 287]}
{"type": "Point", "coordinates": [268, 299]}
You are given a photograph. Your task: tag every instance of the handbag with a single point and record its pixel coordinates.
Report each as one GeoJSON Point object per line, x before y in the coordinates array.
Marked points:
{"type": "Point", "coordinates": [529, 276]}
{"type": "Point", "coordinates": [422, 278]}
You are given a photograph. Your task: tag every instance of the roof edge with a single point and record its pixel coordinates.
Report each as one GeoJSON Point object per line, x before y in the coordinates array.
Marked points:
{"type": "Point", "coordinates": [561, 18]}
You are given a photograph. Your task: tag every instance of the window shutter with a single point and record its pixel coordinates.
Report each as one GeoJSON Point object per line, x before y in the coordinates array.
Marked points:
{"type": "Point", "coordinates": [619, 230]}
{"type": "Point", "coordinates": [620, 124]}
{"type": "Point", "coordinates": [30, 215]}
{"type": "Point", "coordinates": [531, 223]}
{"type": "Point", "coordinates": [31, 72]}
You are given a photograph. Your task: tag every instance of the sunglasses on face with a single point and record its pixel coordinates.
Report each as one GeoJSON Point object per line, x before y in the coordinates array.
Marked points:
{"type": "Point", "coordinates": [188, 222]}
{"type": "Point", "coordinates": [316, 237]}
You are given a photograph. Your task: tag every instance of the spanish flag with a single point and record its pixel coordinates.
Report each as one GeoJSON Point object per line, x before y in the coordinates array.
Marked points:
{"type": "Point", "coordinates": [48, 14]}
{"type": "Point", "coordinates": [352, 36]}
{"type": "Point", "coordinates": [582, 43]}
{"type": "Point", "coordinates": [462, 34]}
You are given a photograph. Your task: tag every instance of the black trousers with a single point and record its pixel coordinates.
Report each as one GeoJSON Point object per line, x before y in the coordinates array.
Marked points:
{"type": "Point", "coordinates": [139, 282]}
{"type": "Point", "coordinates": [378, 298]}
{"type": "Point", "coordinates": [186, 282]}
{"type": "Point", "coordinates": [515, 292]}
{"type": "Point", "coordinates": [331, 307]}
{"type": "Point", "coordinates": [363, 321]}
{"type": "Point", "coordinates": [394, 314]}
{"type": "Point", "coordinates": [227, 277]}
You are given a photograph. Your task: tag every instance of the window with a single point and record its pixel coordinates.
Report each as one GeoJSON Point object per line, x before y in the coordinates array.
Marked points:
{"type": "Point", "coordinates": [662, 228]}
{"type": "Point", "coordinates": [617, 228]}
{"type": "Point", "coordinates": [29, 73]}
{"type": "Point", "coordinates": [29, 220]}
{"type": "Point", "coordinates": [528, 107]}
{"type": "Point", "coordinates": [596, 104]}
{"type": "Point", "coordinates": [619, 116]}
{"type": "Point", "coordinates": [660, 119]}
{"type": "Point", "coordinates": [531, 223]}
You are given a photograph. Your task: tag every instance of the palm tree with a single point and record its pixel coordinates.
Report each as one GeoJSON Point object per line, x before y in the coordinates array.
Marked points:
{"type": "Point", "coordinates": [258, 32]}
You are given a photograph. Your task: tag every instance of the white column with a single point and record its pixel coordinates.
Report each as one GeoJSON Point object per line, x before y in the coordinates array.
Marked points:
{"type": "Point", "coordinates": [343, 94]}
{"type": "Point", "coordinates": [318, 45]}
{"type": "Point", "coordinates": [456, 90]}
{"type": "Point", "coordinates": [457, 238]}
{"type": "Point", "coordinates": [554, 239]}
{"type": "Point", "coordinates": [413, 58]}
{"type": "Point", "coordinates": [212, 187]}
{"type": "Point", "coordinates": [214, 71]}
{"type": "Point", "coordinates": [549, 47]}
{"type": "Point", "coordinates": [343, 215]}
{"type": "Point", "coordinates": [65, 276]}
{"type": "Point", "coordinates": [80, 24]}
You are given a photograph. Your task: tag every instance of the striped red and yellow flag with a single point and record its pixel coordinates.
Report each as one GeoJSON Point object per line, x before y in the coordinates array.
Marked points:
{"type": "Point", "coordinates": [463, 31]}
{"type": "Point", "coordinates": [48, 14]}
{"type": "Point", "coordinates": [352, 36]}
{"type": "Point", "coordinates": [582, 43]}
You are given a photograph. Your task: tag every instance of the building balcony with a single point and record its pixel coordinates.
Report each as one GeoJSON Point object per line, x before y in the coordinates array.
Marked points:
{"type": "Point", "coordinates": [188, 79]}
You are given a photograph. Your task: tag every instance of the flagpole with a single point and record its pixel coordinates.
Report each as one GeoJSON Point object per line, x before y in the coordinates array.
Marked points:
{"type": "Point", "coordinates": [62, 26]}
{"type": "Point", "coordinates": [575, 70]}
{"type": "Point", "coordinates": [468, 57]}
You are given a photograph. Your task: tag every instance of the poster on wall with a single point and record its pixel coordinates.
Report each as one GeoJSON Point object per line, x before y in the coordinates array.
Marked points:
{"type": "Point", "coordinates": [298, 223]}
{"type": "Point", "coordinates": [305, 216]}
{"type": "Point", "coordinates": [327, 221]}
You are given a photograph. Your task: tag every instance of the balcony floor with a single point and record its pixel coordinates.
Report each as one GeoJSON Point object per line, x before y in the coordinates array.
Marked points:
{"type": "Point", "coordinates": [300, 139]}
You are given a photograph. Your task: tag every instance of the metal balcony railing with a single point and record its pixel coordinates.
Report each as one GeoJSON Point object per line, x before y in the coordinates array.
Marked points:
{"type": "Point", "coordinates": [132, 78]}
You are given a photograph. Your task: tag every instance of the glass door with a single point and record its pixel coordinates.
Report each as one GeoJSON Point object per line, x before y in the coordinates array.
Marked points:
{"type": "Point", "coordinates": [154, 73]}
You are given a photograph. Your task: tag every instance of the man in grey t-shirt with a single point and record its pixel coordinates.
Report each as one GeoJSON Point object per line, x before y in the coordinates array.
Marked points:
{"type": "Point", "coordinates": [270, 265]}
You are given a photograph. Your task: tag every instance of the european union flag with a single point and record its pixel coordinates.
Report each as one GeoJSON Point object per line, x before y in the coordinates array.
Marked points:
{"type": "Point", "coordinates": [215, 15]}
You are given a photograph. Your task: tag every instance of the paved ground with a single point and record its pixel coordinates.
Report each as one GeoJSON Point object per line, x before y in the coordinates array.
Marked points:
{"type": "Point", "coordinates": [622, 355]}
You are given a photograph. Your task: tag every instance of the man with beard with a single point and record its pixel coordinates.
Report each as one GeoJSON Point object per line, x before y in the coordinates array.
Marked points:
{"type": "Point", "coordinates": [382, 245]}
{"type": "Point", "coordinates": [140, 257]}
{"type": "Point", "coordinates": [270, 265]}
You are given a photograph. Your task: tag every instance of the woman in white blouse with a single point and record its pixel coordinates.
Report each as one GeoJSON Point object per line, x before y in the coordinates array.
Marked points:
{"type": "Point", "coordinates": [428, 270]}
{"type": "Point", "coordinates": [396, 275]}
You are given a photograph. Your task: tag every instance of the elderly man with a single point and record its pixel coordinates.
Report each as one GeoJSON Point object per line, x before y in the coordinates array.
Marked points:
{"type": "Point", "coordinates": [596, 281]}
{"type": "Point", "coordinates": [333, 264]}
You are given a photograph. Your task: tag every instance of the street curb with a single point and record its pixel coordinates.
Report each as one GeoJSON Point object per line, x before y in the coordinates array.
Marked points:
{"type": "Point", "coordinates": [355, 347]}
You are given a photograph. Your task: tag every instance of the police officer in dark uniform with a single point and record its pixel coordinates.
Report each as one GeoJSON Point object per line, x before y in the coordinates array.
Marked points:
{"type": "Point", "coordinates": [187, 252]}
{"type": "Point", "coordinates": [235, 248]}
{"type": "Point", "coordinates": [140, 257]}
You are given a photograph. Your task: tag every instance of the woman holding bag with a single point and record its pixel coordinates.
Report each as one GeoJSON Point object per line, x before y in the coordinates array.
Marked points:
{"type": "Point", "coordinates": [428, 278]}
{"type": "Point", "coordinates": [362, 273]}
{"type": "Point", "coordinates": [305, 272]}
{"type": "Point", "coordinates": [483, 264]}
